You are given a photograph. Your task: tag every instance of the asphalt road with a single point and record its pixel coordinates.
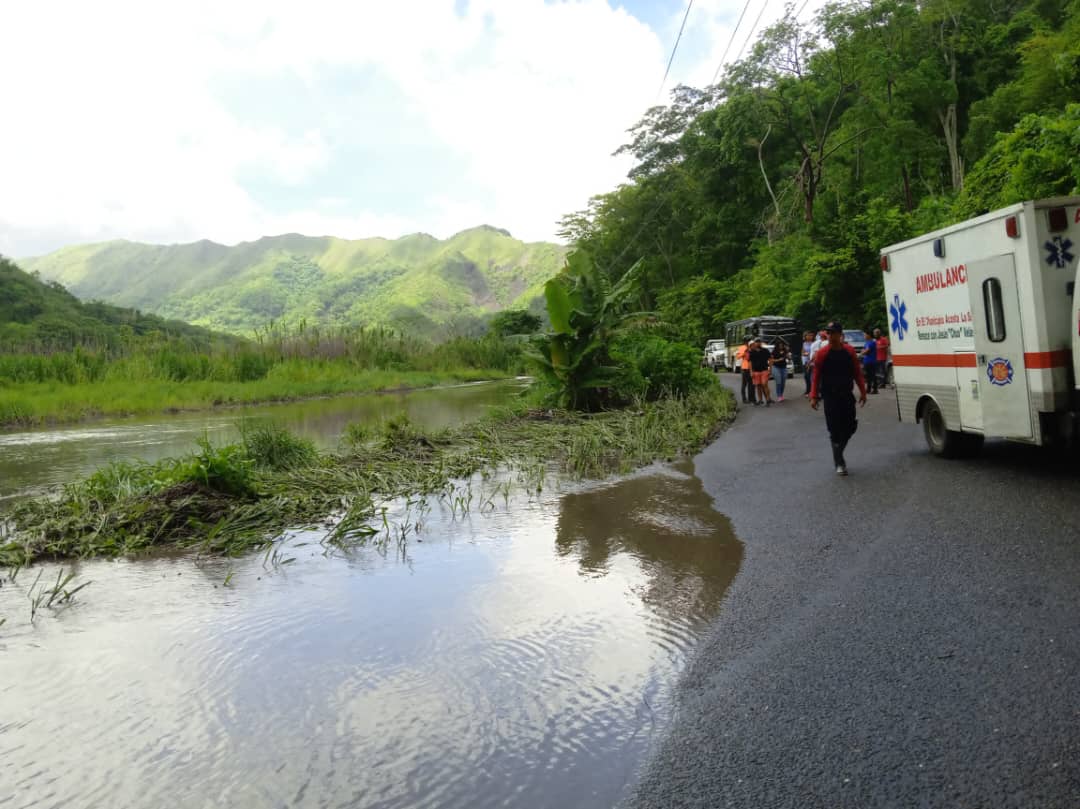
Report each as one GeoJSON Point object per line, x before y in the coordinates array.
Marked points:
{"type": "Point", "coordinates": [908, 636]}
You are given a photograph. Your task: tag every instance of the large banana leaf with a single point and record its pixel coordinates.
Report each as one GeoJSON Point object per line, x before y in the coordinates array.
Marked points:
{"type": "Point", "coordinates": [559, 306]}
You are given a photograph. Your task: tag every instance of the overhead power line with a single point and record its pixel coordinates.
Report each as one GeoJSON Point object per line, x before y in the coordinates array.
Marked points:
{"type": "Point", "coordinates": [753, 28]}
{"type": "Point", "coordinates": [731, 41]}
{"type": "Point", "coordinates": [674, 48]}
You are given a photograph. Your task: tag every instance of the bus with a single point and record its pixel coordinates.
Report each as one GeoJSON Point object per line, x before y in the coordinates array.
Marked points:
{"type": "Point", "coordinates": [768, 328]}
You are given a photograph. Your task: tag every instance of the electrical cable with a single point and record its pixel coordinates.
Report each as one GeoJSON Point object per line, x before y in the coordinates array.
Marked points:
{"type": "Point", "coordinates": [731, 41]}
{"type": "Point", "coordinates": [753, 28]}
{"type": "Point", "coordinates": [674, 48]}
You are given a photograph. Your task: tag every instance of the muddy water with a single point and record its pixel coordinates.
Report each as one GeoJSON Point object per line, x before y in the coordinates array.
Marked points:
{"type": "Point", "coordinates": [34, 461]}
{"type": "Point", "coordinates": [523, 657]}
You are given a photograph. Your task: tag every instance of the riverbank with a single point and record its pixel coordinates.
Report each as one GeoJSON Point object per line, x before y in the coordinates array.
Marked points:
{"type": "Point", "coordinates": [244, 496]}
{"type": "Point", "coordinates": [35, 404]}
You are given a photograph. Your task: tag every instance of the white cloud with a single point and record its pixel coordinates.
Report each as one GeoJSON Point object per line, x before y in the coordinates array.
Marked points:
{"type": "Point", "coordinates": [112, 128]}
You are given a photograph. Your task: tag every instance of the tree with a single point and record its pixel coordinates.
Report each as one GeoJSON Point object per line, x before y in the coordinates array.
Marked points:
{"type": "Point", "coordinates": [514, 321]}
{"type": "Point", "coordinates": [588, 313]}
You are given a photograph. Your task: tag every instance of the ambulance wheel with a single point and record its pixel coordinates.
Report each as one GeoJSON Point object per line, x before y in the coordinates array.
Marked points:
{"type": "Point", "coordinates": [942, 441]}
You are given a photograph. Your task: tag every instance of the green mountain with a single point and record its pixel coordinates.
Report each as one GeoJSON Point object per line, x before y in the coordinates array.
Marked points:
{"type": "Point", "coordinates": [417, 283]}
{"type": "Point", "coordinates": [35, 315]}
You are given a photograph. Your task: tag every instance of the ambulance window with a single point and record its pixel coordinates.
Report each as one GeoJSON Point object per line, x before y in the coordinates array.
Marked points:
{"type": "Point", "coordinates": [995, 312]}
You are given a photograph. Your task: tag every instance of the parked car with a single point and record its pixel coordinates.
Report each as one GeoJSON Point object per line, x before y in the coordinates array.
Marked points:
{"type": "Point", "coordinates": [715, 355]}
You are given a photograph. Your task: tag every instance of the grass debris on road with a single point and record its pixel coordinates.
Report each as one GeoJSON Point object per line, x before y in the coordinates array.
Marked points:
{"type": "Point", "coordinates": [243, 496]}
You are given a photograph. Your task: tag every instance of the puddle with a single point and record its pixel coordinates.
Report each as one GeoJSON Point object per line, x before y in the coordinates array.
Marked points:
{"type": "Point", "coordinates": [523, 657]}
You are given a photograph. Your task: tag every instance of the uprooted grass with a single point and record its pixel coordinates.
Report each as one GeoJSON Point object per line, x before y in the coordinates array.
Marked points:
{"type": "Point", "coordinates": [240, 497]}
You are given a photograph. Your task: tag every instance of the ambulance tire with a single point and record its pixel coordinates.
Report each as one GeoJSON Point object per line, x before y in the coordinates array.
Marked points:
{"type": "Point", "coordinates": [943, 442]}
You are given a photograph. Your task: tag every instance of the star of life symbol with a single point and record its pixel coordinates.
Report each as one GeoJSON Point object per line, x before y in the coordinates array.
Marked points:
{"type": "Point", "coordinates": [1057, 252]}
{"type": "Point", "coordinates": [898, 312]}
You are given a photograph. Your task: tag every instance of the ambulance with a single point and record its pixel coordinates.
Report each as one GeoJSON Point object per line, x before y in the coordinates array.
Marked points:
{"type": "Point", "coordinates": [985, 327]}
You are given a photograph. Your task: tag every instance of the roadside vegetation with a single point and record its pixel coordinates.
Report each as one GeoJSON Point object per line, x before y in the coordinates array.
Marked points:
{"type": "Point", "coordinates": [772, 191]}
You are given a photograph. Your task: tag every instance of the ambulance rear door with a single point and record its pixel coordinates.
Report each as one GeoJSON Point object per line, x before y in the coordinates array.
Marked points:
{"type": "Point", "coordinates": [999, 347]}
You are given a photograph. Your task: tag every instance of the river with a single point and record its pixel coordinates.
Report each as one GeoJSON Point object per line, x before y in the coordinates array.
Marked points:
{"type": "Point", "coordinates": [524, 656]}
{"type": "Point", "coordinates": [36, 461]}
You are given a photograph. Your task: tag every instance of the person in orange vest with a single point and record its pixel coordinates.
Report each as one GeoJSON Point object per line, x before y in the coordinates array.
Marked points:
{"type": "Point", "coordinates": [742, 358]}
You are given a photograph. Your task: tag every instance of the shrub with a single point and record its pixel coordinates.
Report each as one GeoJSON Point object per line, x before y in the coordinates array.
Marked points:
{"type": "Point", "coordinates": [271, 447]}
{"type": "Point", "coordinates": [654, 367]}
{"type": "Point", "coordinates": [224, 469]}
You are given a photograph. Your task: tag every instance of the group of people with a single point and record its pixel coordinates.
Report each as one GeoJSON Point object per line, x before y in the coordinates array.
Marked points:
{"type": "Point", "coordinates": [758, 365]}
{"type": "Point", "coordinates": [874, 355]}
{"type": "Point", "coordinates": [875, 359]}
{"type": "Point", "coordinates": [833, 368]}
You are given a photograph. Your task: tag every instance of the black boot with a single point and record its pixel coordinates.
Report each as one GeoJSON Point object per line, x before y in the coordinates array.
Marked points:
{"type": "Point", "coordinates": [838, 458]}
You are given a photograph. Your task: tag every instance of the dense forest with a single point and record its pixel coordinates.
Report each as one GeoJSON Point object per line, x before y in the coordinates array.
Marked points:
{"type": "Point", "coordinates": [773, 191]}
{"type": "Point", "coordinates": [40, 317]}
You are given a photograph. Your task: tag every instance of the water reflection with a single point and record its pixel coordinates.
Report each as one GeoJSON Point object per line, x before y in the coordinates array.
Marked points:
{"type": "Point", "coordinates": [665, 521]}
{"type": "Point", "coordinates": [484, 669]}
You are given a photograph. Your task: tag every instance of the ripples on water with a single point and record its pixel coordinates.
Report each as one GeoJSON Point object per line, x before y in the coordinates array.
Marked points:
{"type": "Point", "coordinates": [523, 658]}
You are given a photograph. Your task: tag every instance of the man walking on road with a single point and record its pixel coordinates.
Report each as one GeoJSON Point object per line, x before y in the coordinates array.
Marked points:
{"type": "Point", "coordinates": [760, 359]}
{"type": "Point", "coordinates": [836, 370]}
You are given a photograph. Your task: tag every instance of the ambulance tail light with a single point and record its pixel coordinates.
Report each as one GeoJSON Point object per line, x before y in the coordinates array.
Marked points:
{"type": "Point", "coordinates": [1059, 219]}
{"type": "Point", "coordinates": [1012, 227]}
{"type": "Point", "coordinates": [884, 263]}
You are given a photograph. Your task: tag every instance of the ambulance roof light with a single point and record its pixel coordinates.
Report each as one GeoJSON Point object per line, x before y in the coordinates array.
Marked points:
{"type": "Point", "coordinates": [939, 248]}
{"type": "Point", "coordinates": [1059, 219]}
{"type": "Point", "coordinates": [1012, 227]}
{"type": "Point", "coordinates": [884, 263]}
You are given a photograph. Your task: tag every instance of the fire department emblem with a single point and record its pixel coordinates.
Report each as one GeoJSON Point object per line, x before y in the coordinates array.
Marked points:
{"type": "Point", "coordinates": [1000, 371]}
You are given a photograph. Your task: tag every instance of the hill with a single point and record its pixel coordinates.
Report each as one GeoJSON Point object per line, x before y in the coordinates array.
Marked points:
{"type": "Point", "coordinates": [35, 315]}
{"type": "Point", "coordinates": [417, 283]}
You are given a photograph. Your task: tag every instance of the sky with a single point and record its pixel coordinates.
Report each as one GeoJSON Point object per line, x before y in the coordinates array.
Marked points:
{"type": "Point", "coordinates": [170, 122]}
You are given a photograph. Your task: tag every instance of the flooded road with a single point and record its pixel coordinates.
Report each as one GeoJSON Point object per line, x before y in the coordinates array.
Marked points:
{"type": "Point", "coordinates": [524, 657]}
{"type": "Point", "coordinates": [35, 461]}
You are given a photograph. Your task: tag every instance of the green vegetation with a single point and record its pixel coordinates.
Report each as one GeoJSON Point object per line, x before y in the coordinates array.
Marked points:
{"type": "Point", "coordinates": [597, 354]}
{"type": "Point", "coordinates": [417, 284]}
{"type": "Point", "coordinates": [109, 361]}
{"type": "Point", "coordinates": [235, 498]}
{"type": "Point", "coordinates": [44, 317]}
{"type": "Point", "coordinates": [514, 321]}
{"type": "Point", "coordinates": [773, 191]}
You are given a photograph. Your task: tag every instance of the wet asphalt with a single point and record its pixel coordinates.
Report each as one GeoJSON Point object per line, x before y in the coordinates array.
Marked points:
{"type": "Point", "coordinates": [908, 636]}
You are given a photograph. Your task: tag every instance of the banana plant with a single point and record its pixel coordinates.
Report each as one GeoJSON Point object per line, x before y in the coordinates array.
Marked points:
{"type": "Point", "coordinates": [587, 313]}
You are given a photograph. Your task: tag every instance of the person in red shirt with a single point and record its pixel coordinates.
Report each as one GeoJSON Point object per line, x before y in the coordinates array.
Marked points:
{"type": "Point", "coordinates": [882, 357]}
{"type": "Point", "coordinates": [836, 370]}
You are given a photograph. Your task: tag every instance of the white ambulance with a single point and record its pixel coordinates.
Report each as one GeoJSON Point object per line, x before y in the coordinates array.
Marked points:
{"type": "Point", "coordinates": [985, 327]}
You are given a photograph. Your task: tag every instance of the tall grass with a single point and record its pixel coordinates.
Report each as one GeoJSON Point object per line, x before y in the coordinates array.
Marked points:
{"type": "Point", "coordinates": [156, 375]}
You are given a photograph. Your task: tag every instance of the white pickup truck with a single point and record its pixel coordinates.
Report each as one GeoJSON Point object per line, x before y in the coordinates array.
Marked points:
{"type": "Point", "coordinates": [715, 354]}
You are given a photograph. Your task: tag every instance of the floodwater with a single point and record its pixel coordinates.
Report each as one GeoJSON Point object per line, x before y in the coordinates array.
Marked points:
{"type": "Point", "coordinates": [520, 657]}
{"type": "Point", "coordinates": [35, 461]}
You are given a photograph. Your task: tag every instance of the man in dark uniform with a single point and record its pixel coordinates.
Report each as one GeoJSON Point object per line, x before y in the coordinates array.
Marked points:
{"type": "Point", "coordinates": [836, 370]}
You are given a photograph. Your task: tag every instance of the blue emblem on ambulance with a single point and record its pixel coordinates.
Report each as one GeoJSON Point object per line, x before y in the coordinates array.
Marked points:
{"type": "Point", "coordinates": [898, 317]}
{"type": "Point", "coordinates": [1000, 371]}
{"type": "Point", "coordinates": [1057, 252]}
